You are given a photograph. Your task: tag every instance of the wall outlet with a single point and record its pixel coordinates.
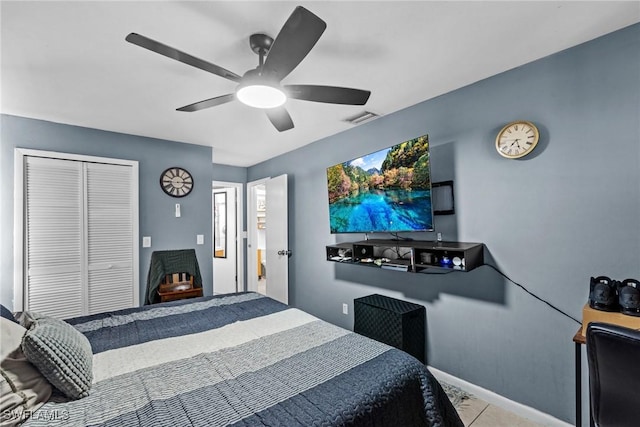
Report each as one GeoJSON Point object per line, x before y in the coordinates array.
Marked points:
{"type": "Point", "coordinates": [345, 309]}
{"type": "Point", "coordinates": [146, 241]}
{"type": "Point", "coordinates": [439, 237]}
{"type": "Point", "coordinates": [200, 239]}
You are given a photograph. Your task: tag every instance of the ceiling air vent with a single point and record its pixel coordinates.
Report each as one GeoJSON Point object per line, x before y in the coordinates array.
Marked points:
{"type": "Point", "coordinates": [361, 117]}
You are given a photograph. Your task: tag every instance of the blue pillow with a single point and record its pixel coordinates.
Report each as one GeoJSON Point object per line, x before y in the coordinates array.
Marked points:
{"type": "Point", "coordinates": [7, 314]}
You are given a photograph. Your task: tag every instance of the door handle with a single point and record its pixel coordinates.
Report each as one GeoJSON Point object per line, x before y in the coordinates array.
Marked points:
{"type": "Point", "coordinates": [286, 252]}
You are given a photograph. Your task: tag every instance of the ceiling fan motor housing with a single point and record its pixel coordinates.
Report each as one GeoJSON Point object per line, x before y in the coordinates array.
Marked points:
{"type": "Point", "coordinates": [260, 43]}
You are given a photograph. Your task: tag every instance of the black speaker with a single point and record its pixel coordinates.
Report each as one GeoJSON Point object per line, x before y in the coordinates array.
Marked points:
{"type": "Point", "coordinates": [362, 251]}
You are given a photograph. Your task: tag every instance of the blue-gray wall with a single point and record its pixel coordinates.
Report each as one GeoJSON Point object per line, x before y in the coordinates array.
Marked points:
{"type": "Point", "coordinates": [569, 211]}
{"type": "Point", "coordinates": [229, 173]}
{"type": "Point", "coordinates": [157, 210]}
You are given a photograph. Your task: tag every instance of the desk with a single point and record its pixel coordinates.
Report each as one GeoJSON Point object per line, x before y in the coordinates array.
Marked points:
{"type": "Point", "coordinates": [579, 340]}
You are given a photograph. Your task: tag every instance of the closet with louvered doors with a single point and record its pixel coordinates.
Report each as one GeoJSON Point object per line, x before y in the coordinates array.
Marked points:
{"type": "Point", "coordinates": [80, 236]}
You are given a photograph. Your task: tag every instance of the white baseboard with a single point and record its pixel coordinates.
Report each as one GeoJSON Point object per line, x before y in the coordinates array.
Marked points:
{"type": "Point", "coordinates": [488, 396]}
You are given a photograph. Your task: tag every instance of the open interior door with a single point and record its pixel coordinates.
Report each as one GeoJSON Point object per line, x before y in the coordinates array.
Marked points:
{"type": "Point", "coordinates": [277, 239]}
{"type": "Point", "coordinates": [267, 233]}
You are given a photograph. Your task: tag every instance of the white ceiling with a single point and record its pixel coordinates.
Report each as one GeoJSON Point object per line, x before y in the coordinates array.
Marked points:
{"type": "Point", "coordinates": [68, 62]}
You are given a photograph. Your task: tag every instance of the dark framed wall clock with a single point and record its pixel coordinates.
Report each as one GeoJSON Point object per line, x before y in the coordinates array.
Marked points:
{"type": "Point", "coordinates": [176, 182]}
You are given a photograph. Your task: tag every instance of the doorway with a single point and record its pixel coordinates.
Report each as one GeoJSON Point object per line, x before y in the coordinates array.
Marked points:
{"type": "Point", "coordinates": [228, 261]}
{"type": "Point", "coordinates": [261, 231]}
{"type": "Point", "coordinates": [267, 245]}
{"type": "Point", "coordinates": [257, 236]}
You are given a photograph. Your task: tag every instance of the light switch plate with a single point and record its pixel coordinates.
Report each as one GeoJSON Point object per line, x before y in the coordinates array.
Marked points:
{"type": "Point", "coordinates": [200, 239]}
{"type": "Point", "coordinates": [177, 210]}
{"type": "Point", "coordinates": [146, 241]}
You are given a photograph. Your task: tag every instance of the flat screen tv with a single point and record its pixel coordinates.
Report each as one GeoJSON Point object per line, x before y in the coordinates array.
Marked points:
{"type": "Point", "coordinates": [386, 191]}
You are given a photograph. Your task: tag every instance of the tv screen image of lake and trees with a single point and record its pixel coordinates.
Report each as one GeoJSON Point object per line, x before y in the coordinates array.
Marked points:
{"type": "Point", "coordinates": [385, 191]}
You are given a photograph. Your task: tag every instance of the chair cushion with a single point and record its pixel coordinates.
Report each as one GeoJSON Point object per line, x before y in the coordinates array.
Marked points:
{"type": "Point", "coordinates": [60, 352]}
{"type": "Point", "coordinates": [23, 389]}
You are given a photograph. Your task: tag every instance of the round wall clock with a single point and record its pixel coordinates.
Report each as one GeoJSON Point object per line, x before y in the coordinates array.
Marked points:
{"type": "Point", "coordinates": [517, 139]}
{"type": "Point", "coordinates": [176, 182]}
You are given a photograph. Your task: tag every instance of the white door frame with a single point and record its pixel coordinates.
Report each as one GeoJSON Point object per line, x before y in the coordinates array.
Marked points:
{"type": "Point", "coordinates": [240, 233]}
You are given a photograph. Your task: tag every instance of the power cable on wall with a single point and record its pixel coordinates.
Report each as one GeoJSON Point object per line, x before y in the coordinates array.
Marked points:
{"type": "Point", "coordinates": [532, 294]}
{"type": "Point", "coordinates": [399, 238]}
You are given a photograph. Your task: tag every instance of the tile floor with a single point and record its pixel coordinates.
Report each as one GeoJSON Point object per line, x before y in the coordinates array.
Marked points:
{"type": "Point", "coordinates": [475, 412]}
{"type": "Point", "coordinates": [262, 286]}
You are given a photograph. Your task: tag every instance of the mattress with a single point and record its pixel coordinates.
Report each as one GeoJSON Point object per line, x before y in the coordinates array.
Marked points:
{"type": "Point", "coordinates": [244, 360]}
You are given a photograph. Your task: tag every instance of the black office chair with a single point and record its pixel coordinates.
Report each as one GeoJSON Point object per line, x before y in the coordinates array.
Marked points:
{"type": "Point", "coordinates": [614, 375]}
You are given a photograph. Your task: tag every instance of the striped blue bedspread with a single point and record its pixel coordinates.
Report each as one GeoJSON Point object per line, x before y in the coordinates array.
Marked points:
{"type": "Point", "coordinates": [244, 360]}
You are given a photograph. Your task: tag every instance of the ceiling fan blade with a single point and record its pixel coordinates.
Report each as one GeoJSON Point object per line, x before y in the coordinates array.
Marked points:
{"type": "Point", "coordinates": [173, 53]}
{"type": "Point", "coordinates": [208, 103]}
{"type": "Point", "coordinates": [280, 118]}
{"type": "Point", "coordinates": [296, 38]}
{"type": "Point", "coordinates": [329, 94]}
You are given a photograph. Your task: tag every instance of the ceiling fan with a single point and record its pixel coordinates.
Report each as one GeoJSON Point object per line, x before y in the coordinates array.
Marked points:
{"type": "Point", "coordinates": [260, 87]}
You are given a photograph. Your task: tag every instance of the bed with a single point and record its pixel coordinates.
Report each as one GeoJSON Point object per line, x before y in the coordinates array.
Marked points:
{"type": "Point", "coordinates": [243, 360]}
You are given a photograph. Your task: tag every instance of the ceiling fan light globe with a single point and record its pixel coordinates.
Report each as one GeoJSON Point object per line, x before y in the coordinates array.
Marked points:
{"type": "Point", "coordinates": [261, 96]}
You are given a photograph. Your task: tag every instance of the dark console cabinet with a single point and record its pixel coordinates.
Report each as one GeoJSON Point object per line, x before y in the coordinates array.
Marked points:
{"type": "Point", "coordinates": [398, 323]}
{"type": "Point", "coordinates": [411, 256]}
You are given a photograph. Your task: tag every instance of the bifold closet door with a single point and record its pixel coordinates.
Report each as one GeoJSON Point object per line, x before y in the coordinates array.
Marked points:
{"type": "Point", "coordinates": [109, 238]}
{"type": "Point", "coordinates": [54, 265]}
{"type": "Point", "coordinates": [79, 237]}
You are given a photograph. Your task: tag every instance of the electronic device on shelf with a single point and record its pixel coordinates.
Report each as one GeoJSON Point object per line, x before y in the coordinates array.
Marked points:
{"type": "Point", "coordinates": [363, 251]}
{"type": "Point", "coordinates": [393, 266]}
{"type": "Point", "coordinates": [385, 191]}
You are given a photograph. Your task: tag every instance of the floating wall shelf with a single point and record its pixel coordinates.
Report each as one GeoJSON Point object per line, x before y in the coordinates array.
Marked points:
{"type": "Point", "coordinates": [409, 255]}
